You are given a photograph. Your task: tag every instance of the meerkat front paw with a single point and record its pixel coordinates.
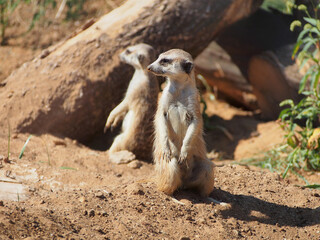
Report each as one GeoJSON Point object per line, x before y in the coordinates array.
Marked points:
{"type": "Point", "coordinates": [166, 154]}
{"type": "Point", "coordinates": [108, 124]}
{"type": "Point", "coordinates": [183, 157]}
{"type": "Point", "coordinates": [112, 122]}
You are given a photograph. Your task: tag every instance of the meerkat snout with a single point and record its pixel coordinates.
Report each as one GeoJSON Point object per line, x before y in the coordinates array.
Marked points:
{"type": "Point", "coordinates": [139, 56]}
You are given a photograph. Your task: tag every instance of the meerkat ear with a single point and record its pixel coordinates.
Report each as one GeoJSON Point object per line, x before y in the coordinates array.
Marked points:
{"type": "Point", "coordinates": [187, 66]}
{"type": "Point", "coordinates": [140, 58]}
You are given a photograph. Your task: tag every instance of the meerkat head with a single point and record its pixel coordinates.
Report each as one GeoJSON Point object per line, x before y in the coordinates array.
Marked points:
{"type": "Point", "coordinates": [138, 56]}
{"type": "Point", "coordinates": [175, 64]}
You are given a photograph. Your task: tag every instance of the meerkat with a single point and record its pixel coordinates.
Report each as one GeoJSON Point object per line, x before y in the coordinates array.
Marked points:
{"type": "Point", "coordinates": [138, 107]}
{"type": "Point", "coordinates": [179, 148]}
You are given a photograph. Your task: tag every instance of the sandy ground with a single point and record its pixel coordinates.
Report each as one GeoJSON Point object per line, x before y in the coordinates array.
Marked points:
{"type": "Point", "coordinates": [63, 189]}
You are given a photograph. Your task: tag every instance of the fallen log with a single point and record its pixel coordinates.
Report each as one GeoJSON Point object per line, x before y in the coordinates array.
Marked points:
{"type": "Point", "coordinates": [217, 68]}
{"type": "Point", "coordinates": [261, 46]}
{"type": "Point", "coordinates": [71, 87]}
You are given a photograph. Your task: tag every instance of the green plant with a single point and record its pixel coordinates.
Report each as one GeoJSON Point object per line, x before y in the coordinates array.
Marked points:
{"type": "Point", "coordinates": [24, 147]}
{"type": "Point", "coordinates": [303, 153]}
{"type": "Point", "coordinates": [75, 7]}
{"type": "Point", "coordinates": [276, 4]}
{"type": "Point", "coordinates": [40, 7]}
{"type": "Point", "coordinates": [6, 8]}
{"type": "Point", "coordinates": [301, 149]}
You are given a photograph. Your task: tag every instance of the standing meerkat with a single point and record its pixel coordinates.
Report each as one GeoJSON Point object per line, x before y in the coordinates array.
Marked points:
{"type": "Point", "coordinates": [138, 106]}
{"type": "Point", "coordinates": [179, 148]}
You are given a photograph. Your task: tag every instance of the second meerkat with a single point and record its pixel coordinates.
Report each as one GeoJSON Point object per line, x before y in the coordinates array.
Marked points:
{"type": "Point", "coordinates": [138, 107]}
{"type": "Point", "coordinates": [179, 148]}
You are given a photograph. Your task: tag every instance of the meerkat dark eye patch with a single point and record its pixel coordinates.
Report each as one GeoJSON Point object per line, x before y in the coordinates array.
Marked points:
{"type": "Point", "coordinates": [165, 61]}
{"type": "Point", "coordinates": [187, 66]}
{"type": "Point", "coordinates": [127, 51]}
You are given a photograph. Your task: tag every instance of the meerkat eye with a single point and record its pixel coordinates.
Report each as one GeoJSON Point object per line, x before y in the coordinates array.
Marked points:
{"type": "Point", "coordinates": [127, 51]}
{"type": "Point", "coordinates": [164, 61]}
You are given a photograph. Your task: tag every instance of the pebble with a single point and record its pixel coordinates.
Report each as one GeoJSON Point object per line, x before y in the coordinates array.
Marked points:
{"type": "Point", "coordinates": [235, 232]}
{"type": "Point", "coordinates": [1, 203]}
{"type": "Point", "coordinates": [135, 189]}
{"type": "Point", "coordinates": [100, 195]}
{"type": "Point", "coordinates": [91, 213]}
{"type": "Point", "coordinates": [83, 199]}
{"type": "Point", "coordinates": [121, 157]}
{"type": "Point", "coordinates": [201, 220]}
{"type": "Point", "coordinates": [135, 164]}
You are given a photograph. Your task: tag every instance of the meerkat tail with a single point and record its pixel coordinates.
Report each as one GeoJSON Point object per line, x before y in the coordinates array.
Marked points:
{"type": "Point", "coordinates": [168, 176]}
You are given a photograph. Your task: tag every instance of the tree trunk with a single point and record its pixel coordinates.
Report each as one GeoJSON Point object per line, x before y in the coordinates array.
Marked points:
{"type": "Point", "coordinates": [71, 87]}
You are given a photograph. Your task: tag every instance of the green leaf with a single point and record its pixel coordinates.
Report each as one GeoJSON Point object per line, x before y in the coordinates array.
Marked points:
{"type": "Point", "coordinates": [24, 147]}
{"type": "Point", "coordinates": [14, 5]}
{"type": "Point", "coordinates": [315, 81]}
{"type": "Point", "coordinates": [301, 35]}
{"type": "Point", "coordinates": [284, 113]}
{"type": "Point", "coordinates": [313, 186]}
{"type": "Point", "coordinates": [296, 48]}
{"type": "Point", "coordinates": [312, 21]}
{"type": "Point", "coordinates": [291, 142]}
{"type": "Point", "coordinates": [308, 43]}
{"type": "Point", "coordinates": [303, 82]}
{"type": "Point", "coordinates": [287, 102]}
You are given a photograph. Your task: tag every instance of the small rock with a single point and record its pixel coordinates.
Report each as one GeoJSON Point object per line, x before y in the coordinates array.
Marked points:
{"type": "Point", "coordinates": [118, 175]}
{"type": "Point", "coordinates": [100, 195]}
{"type": "Point", "coordinates": [1, 203]}
{"type": "Point", "coordinates": [42, 202]}
{"type": "Point", "coordinates": [121, 157]}
{"type": "Point", "coordinates": [104, 213]}
{"type": "Point", "coordinates": [44, 53]}
{"type": "Point", "coordinates": [184, 238]}
{"type": "Point", "coordinates": [85, 213]}
{"type": "Point", "coordinates": [91, 213]}
{"type": "Point", "coordinates": [83, 199]}
{"type": "Point", "coordinates": [15, 136]}
{"type": "Point", "coordinates": [246, 229]}
{"type": "Point", "coordinates": [135, 164]}
{"type": "Point", "coordinates": [235, 232]}
{"type": "Point", "coordinates": [201, 220]}
{"type": "Point", "coordinates": [59, 143]}
{"type": "Point", "coordinates": [135, 189]}
{"type": "Point", "coordinates": [32, 189]}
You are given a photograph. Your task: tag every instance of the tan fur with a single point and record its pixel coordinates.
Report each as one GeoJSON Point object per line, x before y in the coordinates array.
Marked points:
{"type": "Point", "coordinates": [138, 106]}
{"type": "Point", "coordinates": [179, 148]}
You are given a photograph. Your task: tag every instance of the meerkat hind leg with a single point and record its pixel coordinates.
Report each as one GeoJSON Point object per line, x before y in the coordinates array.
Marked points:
{"type": "Point", "coordinates": [169, 176]}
